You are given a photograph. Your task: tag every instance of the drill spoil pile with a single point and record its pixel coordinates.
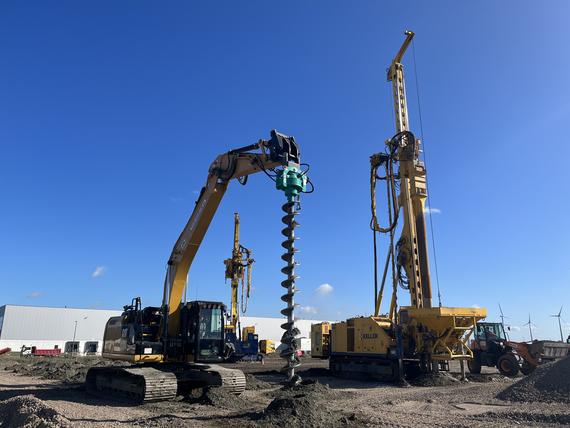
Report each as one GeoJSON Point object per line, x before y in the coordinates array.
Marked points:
{"type": "Point", "coordinates": [548, 383]}
{"type": "Point", "coordinates": [300, 406]}
{"type": "Point", "coordinates": [29, 412]}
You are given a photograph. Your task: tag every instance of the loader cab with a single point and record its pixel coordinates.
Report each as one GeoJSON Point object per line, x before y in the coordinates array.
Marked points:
{"type": "Point", "coordinates": [489, 330]}
{"type": "Point", "coordinates": [489, 335]}
{"type": "Point", "coordinates": [203, 331]}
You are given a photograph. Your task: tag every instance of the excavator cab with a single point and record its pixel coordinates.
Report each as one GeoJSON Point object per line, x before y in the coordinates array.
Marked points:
{"type": "Point", "coordinates": [135, 335]}
{"type": "Point", "coordinates": [203, 331]}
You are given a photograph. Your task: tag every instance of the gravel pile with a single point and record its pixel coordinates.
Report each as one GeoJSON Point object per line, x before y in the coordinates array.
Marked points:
{"type": "Point", "coordinates": [28, 411]}
{"type": "Point", "coordinates": [68, 370]}
{"type": "Point", "coordinates": [548, 383]}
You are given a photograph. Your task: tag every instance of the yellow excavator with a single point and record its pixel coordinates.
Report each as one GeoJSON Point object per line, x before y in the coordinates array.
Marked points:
{"type": "Point", "coordinates": [419, 337]}
{"type": "Point", "coordinates": [174, 347]}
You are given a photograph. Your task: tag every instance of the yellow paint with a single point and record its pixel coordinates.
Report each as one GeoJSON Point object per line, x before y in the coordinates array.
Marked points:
{"type": "Point", "coordinates": [151, 358]}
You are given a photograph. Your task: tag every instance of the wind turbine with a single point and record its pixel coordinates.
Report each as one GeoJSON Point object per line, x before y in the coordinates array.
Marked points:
{"type": "Point", "coordinates": [503, 321]}
{"type": "Point", "coordinates": [558, 315]}
{"type": "Point", "coordinates": [530, 324]}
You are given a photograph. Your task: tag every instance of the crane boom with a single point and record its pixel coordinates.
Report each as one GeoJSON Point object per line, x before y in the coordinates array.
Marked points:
{"type": "Point", "coordinates": [280, 150]}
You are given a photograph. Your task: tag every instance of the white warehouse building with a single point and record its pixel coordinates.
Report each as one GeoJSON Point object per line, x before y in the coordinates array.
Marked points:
{"type": "Point", "coordinates": [81, 330]}
{"type": "Point", "coordinates": [69, 329]}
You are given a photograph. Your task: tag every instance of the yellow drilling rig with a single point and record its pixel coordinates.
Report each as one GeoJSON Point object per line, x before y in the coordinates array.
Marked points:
{"type": "Point", "coordinates": [238, 269]}
{"type": "Point", "coordinates": [174, 348]}
{"type": "Point", "coordinates": [410, 339]}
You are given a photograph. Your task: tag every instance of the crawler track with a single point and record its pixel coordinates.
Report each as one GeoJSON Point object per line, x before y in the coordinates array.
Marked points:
{"type": "Point", "coordinates": [143, 384]}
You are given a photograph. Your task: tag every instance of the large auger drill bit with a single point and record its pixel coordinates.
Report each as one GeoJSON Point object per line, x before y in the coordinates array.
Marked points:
{"type": "Point", "coordinates": [293, 182]}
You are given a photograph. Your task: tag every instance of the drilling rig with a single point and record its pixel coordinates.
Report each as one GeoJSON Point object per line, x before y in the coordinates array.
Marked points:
{"type": "Point", "coordinates": [238, 270]}
{"type": "Point", "coordinates": [410, 339]}
{"type": "Point", "coordinates": [174, 347]}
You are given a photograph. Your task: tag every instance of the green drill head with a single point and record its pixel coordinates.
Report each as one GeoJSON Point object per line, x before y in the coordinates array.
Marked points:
{"type": "Point", "coordinates": [292, 181]}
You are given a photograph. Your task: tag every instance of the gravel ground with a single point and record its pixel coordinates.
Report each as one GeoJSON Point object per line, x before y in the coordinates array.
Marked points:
{"type": "Point", "coordinates": [322, 401]}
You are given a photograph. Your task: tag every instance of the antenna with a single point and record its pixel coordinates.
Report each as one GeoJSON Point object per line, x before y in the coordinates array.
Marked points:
{"type": "Point", "coordinates": [558, 315]}
{"type": "Point", "coordinates": [530, 324]}
{"type": "Point", "coordinates": [503, 321]}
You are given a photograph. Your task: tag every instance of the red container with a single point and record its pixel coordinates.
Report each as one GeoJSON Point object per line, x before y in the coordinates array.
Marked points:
{"type": "Point", "coordinates": [46, 352]}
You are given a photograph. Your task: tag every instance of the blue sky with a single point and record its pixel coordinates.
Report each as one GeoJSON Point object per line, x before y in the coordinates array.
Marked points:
{"type": "Point", "coordinates": [111, 112]}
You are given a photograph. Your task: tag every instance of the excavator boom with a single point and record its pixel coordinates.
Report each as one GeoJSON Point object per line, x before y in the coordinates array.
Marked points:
{"type": "Point", "coordinates": [280, 150]}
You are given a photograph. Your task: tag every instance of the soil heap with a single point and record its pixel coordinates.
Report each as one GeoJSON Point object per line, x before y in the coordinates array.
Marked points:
{"type": "Point", "coordinates": [29, 412]}
{"type": "Point", "coordinates": [549, 383]}
{"type": "Point", "coordinates": [254, 383]}
{"type": "Point", "coordinates": [219, 397]}
{"type": "Point", "coordinates": [68, 370]}
{"type": "Point", "coordinates": [305, 405]}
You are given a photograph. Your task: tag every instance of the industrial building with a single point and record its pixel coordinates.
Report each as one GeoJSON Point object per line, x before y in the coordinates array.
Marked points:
{"type": "Point", "coordinates": [70, 329]}
{"type": "Point", "coordinates": [81, 330]}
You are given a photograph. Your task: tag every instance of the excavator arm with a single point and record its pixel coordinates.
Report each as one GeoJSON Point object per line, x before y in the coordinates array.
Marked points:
{"type": "Point", "coordinates": [279, 150]}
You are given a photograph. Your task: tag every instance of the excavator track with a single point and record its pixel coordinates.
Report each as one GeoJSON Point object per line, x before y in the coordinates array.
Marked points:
{"type": "Point", "coordinates": [143, 384]}
{"type": "Point", "coordinates": [140, 384]}
{"type": "Point", "coordinates": [230, 380]}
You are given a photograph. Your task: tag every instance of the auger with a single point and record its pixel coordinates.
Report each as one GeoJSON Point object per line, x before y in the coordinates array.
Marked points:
{"type": "Point", "coordinates": [293, 182]}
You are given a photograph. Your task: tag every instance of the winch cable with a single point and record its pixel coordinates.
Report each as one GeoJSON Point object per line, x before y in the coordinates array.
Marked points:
{"type": "Point", "coordinates": [427, 181]}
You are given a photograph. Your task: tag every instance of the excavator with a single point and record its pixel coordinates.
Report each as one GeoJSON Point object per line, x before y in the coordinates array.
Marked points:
{"type": "Point", "coordinates": [417, 338]}
{"type": "Point", "coordinates": [238, 269]}
{"type": "Point", "coordinates": [174, 348]}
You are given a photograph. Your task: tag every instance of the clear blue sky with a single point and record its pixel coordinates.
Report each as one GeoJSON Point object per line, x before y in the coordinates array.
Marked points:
{"type": "Point", "coordinates": [110, 113]}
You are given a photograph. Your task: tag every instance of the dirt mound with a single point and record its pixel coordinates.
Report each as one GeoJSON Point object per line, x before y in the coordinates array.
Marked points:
{"type": "Point", "coordinates": [254, 383]}
{"type": "Point", "coordinates": [434, 379]}
{"type": "Point", "coordinates": [68, 370]}
{"type": "Point", "coordinates": [548, 383]}
{"type": "Point", "coordinates": [220, 398]}
{"type": "Point", "coordinates": [29, 412]}
{"type": "Point", "coordinates": [305, 405]}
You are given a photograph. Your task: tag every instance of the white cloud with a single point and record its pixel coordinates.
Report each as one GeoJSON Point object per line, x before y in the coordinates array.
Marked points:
{"type": "Point", "coordinates": [308, 309]}
{"type": "Point", "coordinates": [324, 289]}
{"type": "Point", "coordinates": [513, 328]}
{"type": "Point", "coordinates": [428, 210]}
{"type": "Point", "coordinates": [99, 271]}
{"type": "Point", "coordinates": [34, 295]}
{"type": "Point", "coordinates": [475, 306]}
